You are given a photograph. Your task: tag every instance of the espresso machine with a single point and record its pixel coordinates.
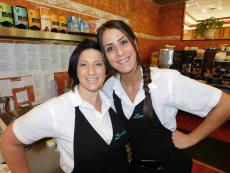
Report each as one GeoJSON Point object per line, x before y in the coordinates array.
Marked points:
{"type": "Point", "coordinates": [221, 70]}
{"type": "Point", "coordinates": [177, 60]}
{"type": "Point", "coordinates": [216, 71]}
{"type": "Point", "coordinates": [197, 68]}
{"type": "Point", "coordinates": [187, 61]}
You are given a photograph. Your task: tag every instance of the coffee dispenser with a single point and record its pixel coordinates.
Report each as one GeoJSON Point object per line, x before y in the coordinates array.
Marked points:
{"type": "Point", "coordinates": [166, 58]}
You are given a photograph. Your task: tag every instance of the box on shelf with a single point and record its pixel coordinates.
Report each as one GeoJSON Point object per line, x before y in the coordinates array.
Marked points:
{"type": "Point", "coordinates": [45, 19]}
{"type": "Point", "coordinates": [73, 24]}
{"type": "Point", "coordinates": [34, 19]}
{"type": "Point", "coordinates": [63, 24]}
{"type": "Point", "coordinates": [6, 15]}
{"type": "Point", "coordinates": [92, 27]}
{"type": "Point", "coordinates": [95, 24]}
{"type": "Point", "coordinates": [54, 23]}
{"type": "Point", "coordinates": [20, 17]}
{"type": "Point", "coordinates": [81, 25]}
{"type": "Point", "coordinates": [86, 27]}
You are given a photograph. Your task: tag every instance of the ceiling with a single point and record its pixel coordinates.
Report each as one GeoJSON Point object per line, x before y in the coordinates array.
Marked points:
{"type": "Point", "coordinates": [203, 9]}
{"type": "Point", "coordinates": [197, 10]}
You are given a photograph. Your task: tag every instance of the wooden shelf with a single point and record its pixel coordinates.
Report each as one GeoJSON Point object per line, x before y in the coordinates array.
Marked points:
{"type": "Point", "coordinates": [15, 33]}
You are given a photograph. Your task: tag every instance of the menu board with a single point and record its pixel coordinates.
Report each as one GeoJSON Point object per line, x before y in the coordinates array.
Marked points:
{"type": "Point", "coordinates": [34, 66]}
{"type": "Point", "coordinates": [29, 59]}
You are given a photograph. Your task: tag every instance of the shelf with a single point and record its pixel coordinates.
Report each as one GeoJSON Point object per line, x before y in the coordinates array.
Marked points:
{"type": "Point", "coordinates": [15, 33]}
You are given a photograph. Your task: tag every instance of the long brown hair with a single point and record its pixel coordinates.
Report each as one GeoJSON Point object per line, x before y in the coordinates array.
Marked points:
{"type": "Point", "coordinates": [125, 29]}
{"type": "Point", "coordinates": [148, 106]}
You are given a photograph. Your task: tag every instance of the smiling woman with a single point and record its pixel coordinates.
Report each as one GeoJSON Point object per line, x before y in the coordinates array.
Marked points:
{"type": "Point", "coordinates": [90, 71]}
{"type": "Point", "coordinates": [90, 136]}
{"type": "Point", "coordinates": [148, 99]}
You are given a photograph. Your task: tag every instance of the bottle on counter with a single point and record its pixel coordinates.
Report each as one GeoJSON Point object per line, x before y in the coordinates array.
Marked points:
{"type": "Point", "coordinates": [11, 103]}
{"type": "Point", "coordinates": [66, 89]}
{"type": "Point", "coordinates": [54, 88]}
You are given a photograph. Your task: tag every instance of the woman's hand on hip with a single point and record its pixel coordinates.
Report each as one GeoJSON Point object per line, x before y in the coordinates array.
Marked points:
{"type": "Point", "coordinates": [181, 140]}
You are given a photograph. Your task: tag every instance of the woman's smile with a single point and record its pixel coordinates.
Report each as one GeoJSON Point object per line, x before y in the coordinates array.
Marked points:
{"type": "Point", "coordinates": [119, 51]}
{"type": "Point", "coordinates": [124, 60]}
{"type": "Point", "coordinates": [91, 79]}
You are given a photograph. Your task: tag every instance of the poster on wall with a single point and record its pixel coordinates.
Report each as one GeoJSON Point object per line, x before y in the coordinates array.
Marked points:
{"type": "Point", "coordinates": [55, 58]}
{"type": "Point", "coordinates": [65, 52]}
{"type": "Point", "coordinates": [20, 51]}
{"type": "Point", "coordinates": [7, 64]}
{"type": "Point", "coordinates": [33, 59]}
{"type": "Point", "coordinates": [5, 88]}
{"type": "Point", "coordinates": [42, 85]}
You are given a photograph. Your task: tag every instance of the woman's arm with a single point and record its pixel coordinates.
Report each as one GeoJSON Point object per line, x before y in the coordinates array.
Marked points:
{"type": "Point", "coordinates": [13, 152]}
{"type": "Point", "coordinates": [215, 118]}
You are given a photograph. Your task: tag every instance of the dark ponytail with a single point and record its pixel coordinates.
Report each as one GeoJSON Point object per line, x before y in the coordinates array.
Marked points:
{"type": "Point", "coordinates": [148, 106]}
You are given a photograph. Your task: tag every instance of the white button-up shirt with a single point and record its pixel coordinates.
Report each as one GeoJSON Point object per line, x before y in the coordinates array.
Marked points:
{"type": "Point", "coordinates": [169, 91]}
{"type": "Point", "coordinates": [56, 117]}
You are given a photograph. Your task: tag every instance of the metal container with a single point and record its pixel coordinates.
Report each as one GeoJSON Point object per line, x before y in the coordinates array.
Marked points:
{"type": "Point", "coordinates": [166, 58]}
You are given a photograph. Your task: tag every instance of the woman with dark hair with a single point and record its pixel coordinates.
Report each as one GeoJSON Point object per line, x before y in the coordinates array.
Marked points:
{"type": "Point", "coordinates": [89, 135]}
{"type": "Point", "coordinates": [148, 100]}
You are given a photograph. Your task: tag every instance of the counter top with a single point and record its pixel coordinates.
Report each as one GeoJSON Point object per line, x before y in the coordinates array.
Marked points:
{"type": "Point", "coordinates": [43, 159]}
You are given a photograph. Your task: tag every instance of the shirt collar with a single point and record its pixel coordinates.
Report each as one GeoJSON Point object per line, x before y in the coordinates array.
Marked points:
{"type": "Point", "coordinates": [76, 100]}
{"type": "Point", "coordinates": [117, 78]}
{"type": "Point", "coordinates": [120, 92]}
{"type": "Point", "coordinates": [74, 97]}
{"type": "Point", "coordinates": [106, 102]}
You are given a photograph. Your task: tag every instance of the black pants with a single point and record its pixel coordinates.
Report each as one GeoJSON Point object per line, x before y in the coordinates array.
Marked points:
{"type": "Point", "coordinates": [146, 166]}
{"type": "Point", "coordinates": [179, 161]}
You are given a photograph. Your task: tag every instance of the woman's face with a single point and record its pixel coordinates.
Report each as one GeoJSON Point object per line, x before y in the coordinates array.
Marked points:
{"type": "Point", "coordinates": [91, 70]}
{"type": "Point", "coordinates": [119, 51]}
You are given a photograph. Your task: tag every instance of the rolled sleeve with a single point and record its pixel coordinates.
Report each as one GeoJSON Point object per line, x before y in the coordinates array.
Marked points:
{"type": "Point", "coordinates": [34, 125]}
{"type": "Point", "coordinates": [194, 97]}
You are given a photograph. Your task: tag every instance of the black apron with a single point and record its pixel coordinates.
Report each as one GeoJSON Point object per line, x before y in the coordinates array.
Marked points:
{"type": "Point", "coordinates": [92, 153]}
{"type": "Point", "coordinates": [151, 143]}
